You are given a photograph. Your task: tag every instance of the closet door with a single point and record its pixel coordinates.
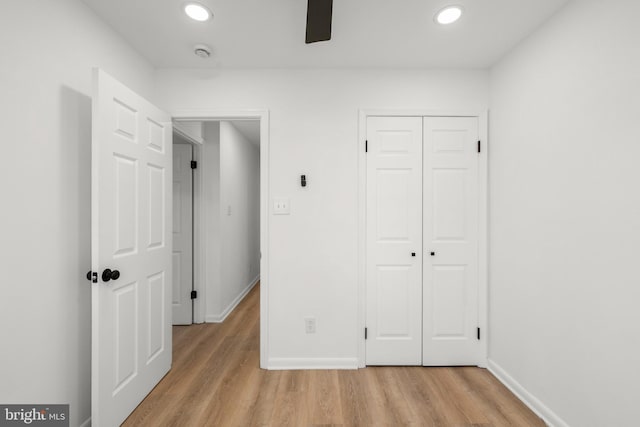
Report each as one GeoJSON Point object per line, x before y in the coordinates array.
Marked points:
{"type": "Point", "coordinates": [450, 254]}
{"type": "Point", "coordinates": [394, 239]}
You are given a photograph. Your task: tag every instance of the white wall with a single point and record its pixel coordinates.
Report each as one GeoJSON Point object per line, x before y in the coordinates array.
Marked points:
{"type": "Point", "coordinates": [239, 192]}
{"type": "Point", "coordinates": [314, 131]}
{"type": "Point", "coordinates": [232, 179]}
{"type": "Point", "coordinates": [210, 166]}
{"type": "Point", "coordinates": [565, 214]}
{"type": "Point", "coordinates": [46, 55]}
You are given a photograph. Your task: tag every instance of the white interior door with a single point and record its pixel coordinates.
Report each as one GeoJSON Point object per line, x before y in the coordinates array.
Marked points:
{"type": "Point", "coordinates": [182, 234]}
{"type": "Point", "coordinates": [450, 241]}
{"type": "Point", "coordinates": [131, 234]}
{"type": "Point", "coordinates": [394, 241]}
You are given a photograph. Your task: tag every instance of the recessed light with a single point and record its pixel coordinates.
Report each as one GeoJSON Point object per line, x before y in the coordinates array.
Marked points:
{"type": "Point", "coordinates": [197, 12]}
{"type": "Point", "coordinates": [449, 15]}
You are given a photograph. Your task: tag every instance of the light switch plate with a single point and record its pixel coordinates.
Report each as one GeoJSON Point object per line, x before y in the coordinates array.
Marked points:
{"type": "Point", "coordinates": [281, 206]}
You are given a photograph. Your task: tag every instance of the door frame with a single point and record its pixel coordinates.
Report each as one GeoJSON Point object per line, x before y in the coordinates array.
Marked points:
{"type": "Point", "coordinates": [197, 226]}
{"type": "Point", "coordinates": [199, 309]}
{"type": "Point", "coordinates": [196, 201]}
{"type": "Point", "coordinates": [483, 224]}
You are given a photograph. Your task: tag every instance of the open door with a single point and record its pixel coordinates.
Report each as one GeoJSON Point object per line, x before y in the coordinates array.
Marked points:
{"type": "Point", "coordinates": [182, 304]}
{"type": "Point", "coordinates": [131, 219]}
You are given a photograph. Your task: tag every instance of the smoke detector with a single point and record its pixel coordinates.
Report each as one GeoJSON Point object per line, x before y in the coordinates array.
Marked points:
{"type": "Point", "coordinates": [202, 50]}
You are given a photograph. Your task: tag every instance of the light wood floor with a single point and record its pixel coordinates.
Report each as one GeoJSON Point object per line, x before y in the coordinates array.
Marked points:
{"type": "Point", "coordinates": [216, 381]}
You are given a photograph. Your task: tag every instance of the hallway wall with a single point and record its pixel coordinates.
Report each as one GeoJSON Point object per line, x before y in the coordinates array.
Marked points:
{"type": "Point", "coordinates": [232, 186]}
{"type": "Point", "coordinates": [240, 214]}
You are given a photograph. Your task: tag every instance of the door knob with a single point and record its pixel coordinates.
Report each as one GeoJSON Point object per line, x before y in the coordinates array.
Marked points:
{"type": "Point", "coordinates": [92, 276]}
{"type": "Point", "coordinates": [413, 254]}
{"type": "Point", "coordinates": [433, 254]}
{"type": "Point", "coordinates": [108, 274]}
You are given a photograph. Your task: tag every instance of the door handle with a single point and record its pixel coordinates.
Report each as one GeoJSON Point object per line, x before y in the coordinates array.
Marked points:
{"type": "Point", "coordinates": [413, 254]}
{"type": "Point", "coordinates": [108, 274]}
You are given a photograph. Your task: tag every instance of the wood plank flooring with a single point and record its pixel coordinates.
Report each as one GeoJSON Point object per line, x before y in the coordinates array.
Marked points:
{"type": "Point", "coordinates": [216, 381]}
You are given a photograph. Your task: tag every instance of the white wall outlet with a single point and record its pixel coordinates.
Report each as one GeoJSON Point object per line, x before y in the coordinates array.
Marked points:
{"type": "Point", "coordinates": [281, 206]}
{"type": "Point", "coordinates": [310, 325]}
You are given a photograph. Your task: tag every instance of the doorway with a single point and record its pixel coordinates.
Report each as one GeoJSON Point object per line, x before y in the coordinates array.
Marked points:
{"type": "Point", "coordinates": [423, 239]}
{"type": "Point", "coordinates": [222, 206]}
{"type": "Point", "coordinates": [230, 168]}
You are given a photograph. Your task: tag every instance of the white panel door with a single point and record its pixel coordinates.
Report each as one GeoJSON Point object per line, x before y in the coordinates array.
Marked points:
{"type": "Point", "coordinates": [450, 241]}
{"type": "Point", "coordinates": [131, 235]}
{"type": "Point", "coordinates": [394, 239]}
{"type": "Point", "coordinates": [182, 234]}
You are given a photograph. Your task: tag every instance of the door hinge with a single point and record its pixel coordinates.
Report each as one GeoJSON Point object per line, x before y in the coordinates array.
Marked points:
{"type": "Point", "coordinates": [366, 146]}
{"type": "Point", "coordinates": [478, 333]}
{"type": "Point", "coordinates": [479, 146]}
{"type": "Point", "coordinates": [194, 294]}
{"type": "Point", "coordinates": [365, 333]}
{"type": "Point", "coordinates": [194, 164]}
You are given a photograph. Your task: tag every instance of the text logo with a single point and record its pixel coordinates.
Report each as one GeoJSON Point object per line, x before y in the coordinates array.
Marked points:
{"type": "Point", "coordinates": [34, 415]}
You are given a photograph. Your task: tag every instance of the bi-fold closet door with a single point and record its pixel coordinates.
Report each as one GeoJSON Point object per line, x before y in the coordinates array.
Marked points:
{"type": "Point", "coordinates": [422, 241]}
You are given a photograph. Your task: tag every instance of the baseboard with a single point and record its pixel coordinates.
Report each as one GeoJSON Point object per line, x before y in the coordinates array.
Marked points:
{"type": "Point", "coordinates": [212, 318]}
{"type": "Point", "coordinates": [286, 363]}
{"type": "Point", "coordinates": [86, 423]}
{"type": "Point", "coordinates": [540, 409]}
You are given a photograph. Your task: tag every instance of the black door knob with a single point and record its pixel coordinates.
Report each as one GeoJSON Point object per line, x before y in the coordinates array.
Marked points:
{"type": "Point", "coordinates": [413, 254]}
{"type": "Point", "coordinates": [108, 274]}
{"type": "Point", "coordinates": [92, 276]}
{"type": "Point", "coordinates": [433, 254]}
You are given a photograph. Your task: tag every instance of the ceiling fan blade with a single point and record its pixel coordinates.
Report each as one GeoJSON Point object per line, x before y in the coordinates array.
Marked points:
{"type": "Point", "coordinates": [319, 20]}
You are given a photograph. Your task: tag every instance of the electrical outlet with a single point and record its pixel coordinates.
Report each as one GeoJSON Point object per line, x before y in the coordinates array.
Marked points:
{"type": "Point", "coordinates": [310, 325]}
{"type": "Point", "coordinates": [281, 206]}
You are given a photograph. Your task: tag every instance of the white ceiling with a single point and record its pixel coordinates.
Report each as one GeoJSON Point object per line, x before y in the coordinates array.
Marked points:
{"type": "Point", "coordinates": [366, 33]}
